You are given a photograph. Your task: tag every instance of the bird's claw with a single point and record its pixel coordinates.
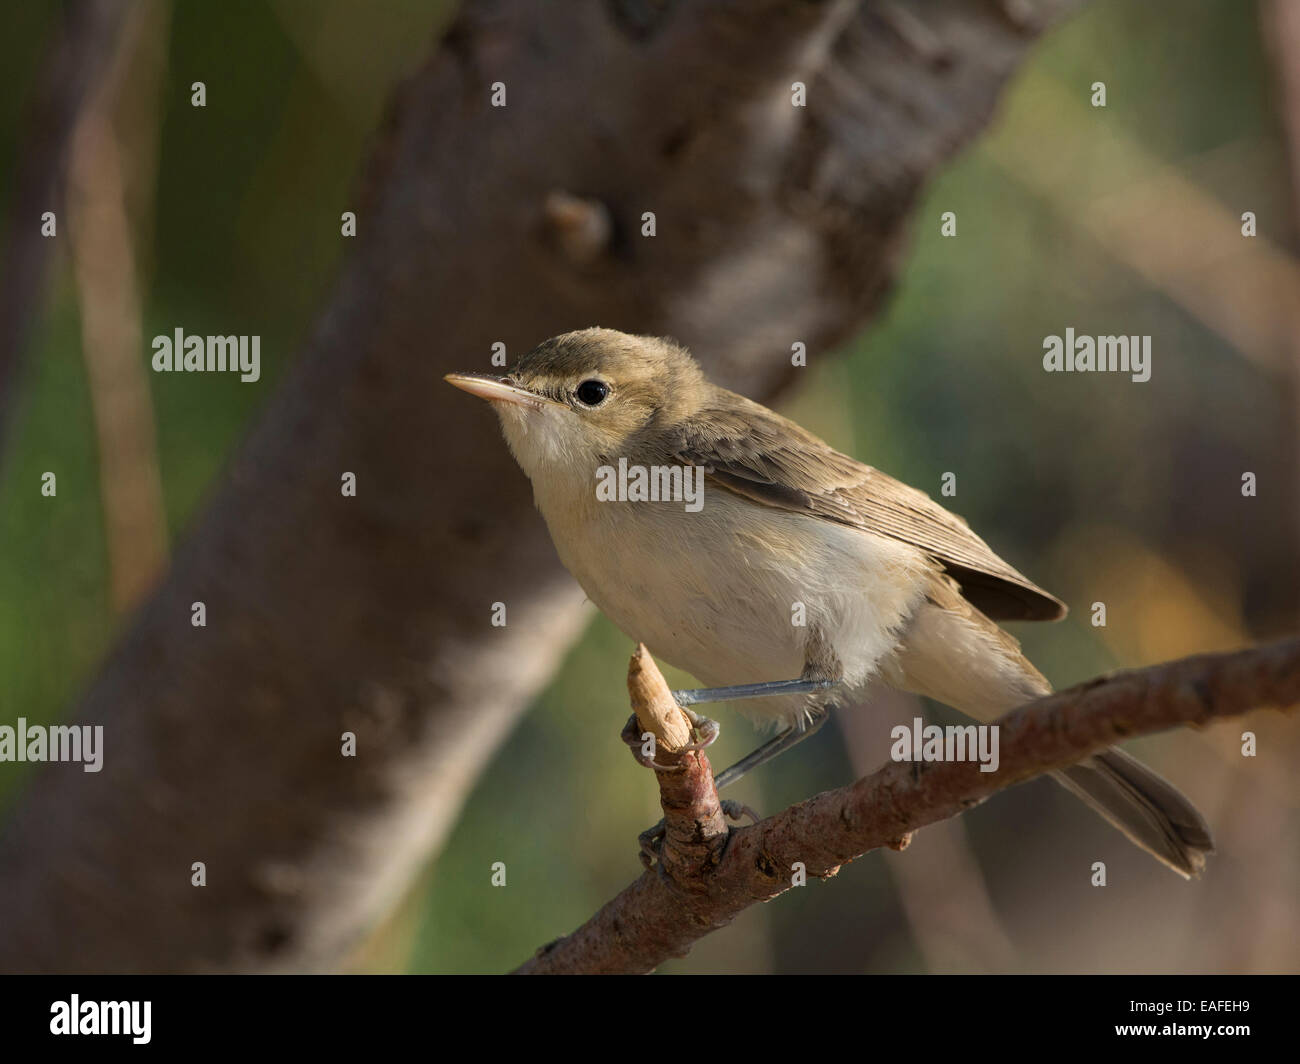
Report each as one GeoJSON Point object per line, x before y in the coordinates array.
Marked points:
{"type": "Point", "coordinates": [631, 735]}
{"type": "Point", "coordinates": [735, 810]}
{"type": "Point", "coordinates": [649, 842]}
{"type": "Point", "coordinates": [707, 727]}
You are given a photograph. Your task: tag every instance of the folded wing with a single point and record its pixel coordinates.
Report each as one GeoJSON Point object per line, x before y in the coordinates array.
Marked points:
{"type": "Point", "coordinates": [755, 453]}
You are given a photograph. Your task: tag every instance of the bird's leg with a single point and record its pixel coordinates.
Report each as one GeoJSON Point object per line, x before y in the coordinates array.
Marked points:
{"type": "Point", "coordinates": [778, 744]}
{"type": "Point", "coordinates": [652, 838]}
{"type": "Point", "coordinates": [823, 671]}
{"type": "Point", "coordinates": [750, 690]}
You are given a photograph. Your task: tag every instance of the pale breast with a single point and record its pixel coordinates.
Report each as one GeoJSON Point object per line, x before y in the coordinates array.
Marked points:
{"type": "Point", "coordinates": [733, 593]}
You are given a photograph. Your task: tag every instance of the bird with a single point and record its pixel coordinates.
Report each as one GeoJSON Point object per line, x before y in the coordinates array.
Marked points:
{"type": "Point", "coordinates": [890, 586]}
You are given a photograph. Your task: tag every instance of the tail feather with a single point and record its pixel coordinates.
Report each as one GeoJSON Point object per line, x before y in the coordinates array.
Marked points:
{"type": "Point", "coordinates": [953, 653]}
{"type": "Point", "coordinates": [1147, 808]}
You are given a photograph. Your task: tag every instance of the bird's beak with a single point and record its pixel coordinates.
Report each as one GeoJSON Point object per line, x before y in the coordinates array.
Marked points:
{"type": "Point", "coordinates": [497, 389]}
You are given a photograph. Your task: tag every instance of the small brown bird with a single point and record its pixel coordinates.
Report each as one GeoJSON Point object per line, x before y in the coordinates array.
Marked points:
{"type": "Point", "coordinates": [748, 552]}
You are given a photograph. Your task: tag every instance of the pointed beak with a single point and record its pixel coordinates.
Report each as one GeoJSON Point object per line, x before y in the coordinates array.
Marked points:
{"type": "Point", "coordinates": [497, 389]}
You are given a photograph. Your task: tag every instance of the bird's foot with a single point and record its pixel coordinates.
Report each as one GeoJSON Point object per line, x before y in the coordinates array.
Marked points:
{"type": "Point", "coordinates": [706, 728]}
{"type": "Point", "coordinates": [633, 736]}
{"type": "Point", "coordinates": [649, 842]}
{"type": "Point", "coordinates": [735, 810]}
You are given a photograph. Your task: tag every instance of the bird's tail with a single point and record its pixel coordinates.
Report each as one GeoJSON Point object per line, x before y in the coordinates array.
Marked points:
{"type": "Point", "coordinates": [953, 653]}
{"type": "Point", "coordinates": [1147, 808]}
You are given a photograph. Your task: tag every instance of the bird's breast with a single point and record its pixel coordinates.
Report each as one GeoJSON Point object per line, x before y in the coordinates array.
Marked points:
{"type": "Point", "coordinates": [734, 592]}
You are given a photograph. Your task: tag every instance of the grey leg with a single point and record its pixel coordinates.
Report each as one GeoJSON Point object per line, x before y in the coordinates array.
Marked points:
{"type": "Point", "coordinates": [778, 744]}
{"type": "Point", "coordinates": [750, 690]}
{"type": "Point", "coordinates": [651, 839]}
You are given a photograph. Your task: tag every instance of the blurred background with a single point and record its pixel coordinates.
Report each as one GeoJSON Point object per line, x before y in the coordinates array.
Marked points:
{"type": "Point", "coordinates": [1123, 219]}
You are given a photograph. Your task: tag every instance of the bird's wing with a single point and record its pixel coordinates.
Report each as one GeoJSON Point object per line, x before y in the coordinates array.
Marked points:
{"type": "Point", "coordinates": [755, 453]}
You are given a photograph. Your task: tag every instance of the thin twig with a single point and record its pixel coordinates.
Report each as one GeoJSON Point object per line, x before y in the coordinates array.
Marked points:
{"type": "Point", "coordinates": [695, 830]}
{"type": "Point", "coordinates": [659, 916]}
{"type": "Point", "coordinates": [82, 45]}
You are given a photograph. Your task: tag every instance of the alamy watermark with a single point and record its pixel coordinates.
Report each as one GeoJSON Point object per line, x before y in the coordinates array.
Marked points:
{"type": "Point", "coordinates": [1098, 354]}
{"type": "Point", "coordinates": [75, 1016]}
{"type": "Point", "coordinates": [179, 353]}
{"type": "Point", "coordinates": [56, 742]}
{"type": "Point", "coordinates": [956, 742]}
{"type": "Point", "coordinates": [665, 483]}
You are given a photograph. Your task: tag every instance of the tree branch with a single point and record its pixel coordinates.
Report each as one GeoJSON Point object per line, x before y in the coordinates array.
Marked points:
{"type": "Point", "coordinates": [661, 916]}
{"type": "Point", "coordinates": [81, 48]}
{"type": "Point", "coordinates": [695, 830]}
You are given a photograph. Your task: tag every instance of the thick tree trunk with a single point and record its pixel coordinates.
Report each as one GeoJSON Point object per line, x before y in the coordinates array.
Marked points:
{"type": "Point", "coordinates": [775, 224]}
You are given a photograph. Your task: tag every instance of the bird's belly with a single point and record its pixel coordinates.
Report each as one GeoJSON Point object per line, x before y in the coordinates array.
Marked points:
{"type": "Point", "coordinates": [741, 593]}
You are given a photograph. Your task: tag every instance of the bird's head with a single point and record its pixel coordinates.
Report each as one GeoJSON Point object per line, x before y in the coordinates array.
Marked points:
{"type": "Point", "coordinates": [580, 400]}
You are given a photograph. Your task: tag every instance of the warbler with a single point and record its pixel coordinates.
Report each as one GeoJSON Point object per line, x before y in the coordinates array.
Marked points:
{"type": "Point", "coordinates": [800, 578]}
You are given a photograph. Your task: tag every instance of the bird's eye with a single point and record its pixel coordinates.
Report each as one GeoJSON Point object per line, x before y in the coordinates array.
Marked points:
{"type": "Point", "coordinates": [592, 393]}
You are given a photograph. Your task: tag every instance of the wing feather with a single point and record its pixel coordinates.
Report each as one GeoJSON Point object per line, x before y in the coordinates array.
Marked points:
{"type": "Point", "coordinates": [755, 453]}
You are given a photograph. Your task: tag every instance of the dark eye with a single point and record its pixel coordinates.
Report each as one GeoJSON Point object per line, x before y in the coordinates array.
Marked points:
{"type": "Point", "coordinates": [592, 393]}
